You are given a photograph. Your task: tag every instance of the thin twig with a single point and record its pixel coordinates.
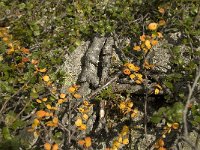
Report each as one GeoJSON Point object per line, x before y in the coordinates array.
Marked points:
{"type": "Point", "coordinates": [104, 86]}
{"type": "Point", "coordinates": [189, 100]}
{"type": "Point", "coordinates": [5, 103]}
{"type": "Point", "coordinates": [189, 143]}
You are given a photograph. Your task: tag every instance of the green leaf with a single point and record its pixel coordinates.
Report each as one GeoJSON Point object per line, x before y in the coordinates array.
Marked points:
{"type": "Point", "coordinates": [169, 84]}
{"type": "Point", "coordinates": [156, 119]}
{"type": "Point", "coordinates": [6, 133]}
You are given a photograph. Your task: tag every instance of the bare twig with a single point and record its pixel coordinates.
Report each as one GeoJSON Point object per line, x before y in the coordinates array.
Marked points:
{"type": "Point", "coordinates": [6, 102]}
{"type": "Point", "coordinates": [189, 143]}
{"type": "Point", "coordinates": [189, 100]}
{"type": "Point", "coordinates": [104, 86]}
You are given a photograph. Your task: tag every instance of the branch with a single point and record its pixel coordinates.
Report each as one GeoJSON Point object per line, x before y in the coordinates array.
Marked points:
{"type": "Point", "coordinates": [189, 100]}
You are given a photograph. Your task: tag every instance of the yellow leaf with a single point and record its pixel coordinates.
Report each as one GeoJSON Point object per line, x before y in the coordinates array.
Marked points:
{"type": "Point", "coordinates": [81, 110]}
{"type": "Point", "coordinates": [54, 108]}
{"type": "Point", "coordinates": [116, 144]}
{"type": "Point", "coordinates": [38, 101]}
{"type": "Point", "coordinates": [120, 139]}
{"type": "Point", "coordinates": [130, 104]}
{"type": "Point", "coordinates": [133, 67]}
{"type": "Point", "coordinates": [36, 121]}
{"type": "Point", "coordinates": [47, 146]}
{"type": "Point", "coordinates": [48, 106]}
{"type": "Point", "coordinates": [86, 103]}
{"type": "Point", "coordinates": [161, 23]}
{"type": "Point", "coordinates": [138, 75]}
{"type": "Point", "coordinates": [158, 86]}
{"type": "Point", "coordinates": [50, 124]}
{"type": "Point", "coordinates": [132, 76]}
{"type": "Point", "coordinates": [78, 122]}
{"type": "Point", "coordinates": [122, 105]}
{"type": "Point", "coordinates": [125, 141]}
{"type": "Point", "coordinates": [136, 48]}
{"type": "Point", "coordinates": [133, 115]}
{"type": "Point", "coordinates": [44, 99]}
{"type": "Point", "coordinates": [160, 35]}
{"type": "Point", "coordinates": [157, 91]}
{"type": "Point", "coordinates": [153, 26]}
{"type": "Point", "coordinates": [148, 44]}
{"type": "Point", "coordinates": [42, 70]}
{"type": "Point", "coordinates": [88, 142]}
{"type": "Point", "coordinates": [85, 116]}
{"type": "Point", "coordinates": [35, 134]}
{"type": "Point", "coordinates": [46, 78]}
{"type": "Point", "coordinates": [125, 130]}
{"type": "Point", "coordinates": [147, 65]}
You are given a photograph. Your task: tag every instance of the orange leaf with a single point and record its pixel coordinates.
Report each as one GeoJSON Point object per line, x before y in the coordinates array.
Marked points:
{"type": "Point", "coordinates": [81, 142]}
{"type": "Point", "coordinates": [78, 122]}
{"type": "Point", "coordinates": [161, 10]}
{"type": "Point", "coordinates": [25, 59]}
{"type": "Point", "coordinates": [71, 89]}
{"type": "Point", "coordinates": [154, 42]}
{"type": "Point", "coordinates": [161, 143]}
{"type": "Point", "coordinates": [88, 142]}
{"type": "Point", "coordinates": [142, 38]}
{"type": "Point", "coordinates": [175, 125]}
{"type": "Point", "coordinates": [47, 146]}
{"type": "Point", "coordinates": [60, 101]}
{"type": "Point", "coordinates": [55, 147]}
{"type": "Point", "coordinates": [55, 120]}
{"type": "Point", "coordinates": [25, 50]}
{"type": "Point", "coordinates": [153, 26]}
{"type": "Point", "coordinates": [34, 61]}
{"type": "Point", "coordinates": [126, 71]}
{"type": "Point", "coordinates": [77, 96]}
{"type": "Point", "coordinates": [40, 113]}
{"type": "Point", "coordinates": [125, 141]}
{"type": "Point", "coordinates": [83, 127]}
{"type": "Point", "coordinates": [62, 95]}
